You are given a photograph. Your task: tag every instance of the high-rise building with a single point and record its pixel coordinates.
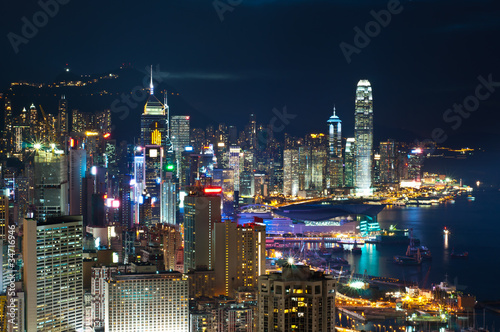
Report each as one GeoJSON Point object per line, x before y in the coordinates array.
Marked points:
{"type": "Point", "coordinates": [363, 132]}
{"type": "Point", "coordinates": [62, 119]}
{"type": "Point", "coordinates": [201, 213]}
{"type": "Point", "coordinates": [77, 167]}
{"type": "Point", "coordinates": [53, 274]}
{"type": "Point", "coordinates": [224, 178]}
{"type": "Point", "coordinates": [240, 256]}
{"type": "Point", "coordinates": [298, 299]}
{"type": "Point", "coordinates": [153, 302]}
{"type": "Point", "coordinates": [349, 164]}
{"type": "Point", "coordinates": [335, 167]}
{"type": "Point", "coordinates": [388, 169]}
{"type": "Point", "coordinates": [234, 164]}
{"type": "Point", "coordinates": [153, 170]}
{"type": "Point", "coordinates": [4, 217]}
{"type": "Point", "coordinates": [290, 172]}
{"type": "Point", "coordinates": [179, 134]}
{"type": "Point", "coordinates": [100, 275]}
{"type": "Point", "coordinates": [319, 160]}
{"type": "Point", "coordinates": [51, 184]}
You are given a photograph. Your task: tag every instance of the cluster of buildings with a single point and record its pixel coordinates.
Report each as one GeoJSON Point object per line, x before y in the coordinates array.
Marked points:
{"type": "Point", "coordinates": [100, 236]}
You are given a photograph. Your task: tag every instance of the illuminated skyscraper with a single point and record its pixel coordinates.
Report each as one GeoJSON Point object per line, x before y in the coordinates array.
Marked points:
{"type": "Point", "coordinates": [349, 162]}
{"type": "Point", "coordinates": [298, 299]}
{"type": "Point", "coordinates": [388, 169]}
{"type": "Point", "coordinates": [363, 132]}
{"type": "Point", "coordinates": [53, 279]}
{"type": "Point", "coordinates": [201, 213]}
{"type": "Point", "coordinates": [179, 133]}
{"type": "Point", "coordinates": [77, 166]}
{"type": "Point", "coordinates": [290, 172]}
{"type": "Point", "coordinates": [234, 164]}
{"type": "Point", "coordinates": [51, 184]}
{"type": "Point", "coordinates": [153, 170]}
{"type": "Point", "coordinates": [240, 256]}
{"type": "Point", "coordinates": [335, 169]}
{"type": "Point", "coordinates": [63, 117]}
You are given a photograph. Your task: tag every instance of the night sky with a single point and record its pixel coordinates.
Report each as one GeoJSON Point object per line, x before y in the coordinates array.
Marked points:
{"type": "Point", "coordinates": [268, 54]}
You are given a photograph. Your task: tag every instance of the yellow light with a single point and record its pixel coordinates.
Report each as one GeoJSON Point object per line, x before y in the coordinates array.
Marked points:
{"type": "Point", "coordinates": [91, 133]}
{"type": "Point", "coordinates": [156, 137]}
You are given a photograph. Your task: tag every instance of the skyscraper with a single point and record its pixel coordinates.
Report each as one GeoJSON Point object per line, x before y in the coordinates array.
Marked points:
{"type": "Point", "coordinates": [240, 256]}
{"type": "Point", "coordinates": [201, 212]}
{"type": "Point", "coordinates": [290, 172]}
{"type": "Point", "coordinates": [335, 169]}
{"type": "Point", "coordinates": [77, 166]}
{"type": "Point", "coordinates": [298, 299]}
{"type": "Point", "coordinates": [349, 162]}
{"type": "Point", "coordinates": [51, 184]}
{"type": "Point", "coordinates": [153, 170]}
{"type": "Point", "coordinates": [63, 117]}
{"type": "Point", "coordinates": [234, 164]}
{"type": "Point", "coordinates": [388, 169]}
{"type": "Point", "coordinates": [179, 133]}
{"type": "Point", "coordinates": [363, 132]}
{"type": "Point", "coordinates": [53, 274]}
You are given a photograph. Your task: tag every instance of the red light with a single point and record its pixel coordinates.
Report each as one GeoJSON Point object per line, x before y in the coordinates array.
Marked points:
{"type": "Point", "coordinates": [105, 196]}
{"type": "Point", "coordinates": [107, 135]}
{"type": "Point", "coordinates": [213, 190]}
{"type": "Point", "coordinates": [187, 117]}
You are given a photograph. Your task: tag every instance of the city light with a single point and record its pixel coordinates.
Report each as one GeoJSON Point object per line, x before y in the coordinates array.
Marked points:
{"type": "Point", "coordinates": [213, 190]}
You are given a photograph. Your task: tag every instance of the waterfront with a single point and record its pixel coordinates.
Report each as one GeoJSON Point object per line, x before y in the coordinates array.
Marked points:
{"type": "Point", "coordinates": [474, 227]}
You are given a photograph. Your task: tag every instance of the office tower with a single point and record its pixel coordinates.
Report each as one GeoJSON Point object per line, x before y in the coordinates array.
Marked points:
{"type": "Point", "coordinates": [305, 167]}
{"type": "Point", "coordinates": [298, 299]}
{"type": "Point", "coordinates": [8, 125]}
{"type": "Point", "coordinates": [234, 164]}
{"type": "Point", "coordinates": [319, 159]}
{"type": "Point", "coordinates": [415, 162]}
{"type": "Point", "coordinates": [51, 184]}
{"type": "Point", "coordinates": [201, 213]}
{"type": "Point", "coordinates": [154, 124]}
{"type": "Point", "coordinates": [153, 170]}
{"type": "Point", "coordinates": [363, 134]}
{"type": "Point", "coordinates": [78, 122]}
{"type": "Point", "coordinates": [33, 122]}
{"type": "Point", "coordinates": [53, 274]}
{"type": "Point", "coordinates": [62, 117]}
{"type": "Point", "coordinates": [240, 252]}
{"type": "Point", "coordinates": [169, 199]}
{"type": "Point", "coordinates": [233, 135]}
{"type": "Point", "coordinates": [376, 169]}
{"type": "Point", "coordinates": [179, 134]}
{"type": "Point", "coordinates": [349, 162]}
{"type": "Point", "coordinates": [4, 217]}
{"type": "Point", "coordinates": [139, 184]}
{"type": "Point", "coordinates": [173, 251]}
{"type": "Point", "coordinates": [388, 169]}
{"type": "Point", "coordinates": [246, 185]}
{"type": "Point", "coordinates": [251, 133]}
{"type": "Point", "coordinates": [290, 172]}
{"type": "Point", "coordinates": [77, 166]}
{"type": "Point", "coordinates": [153, 302]}
{"type": "Point", "coordinates": [224, 178]}
{"type": "Point", "coordinates": [335, 167]}
{"type": "Point", "coordinates": [103, 121]}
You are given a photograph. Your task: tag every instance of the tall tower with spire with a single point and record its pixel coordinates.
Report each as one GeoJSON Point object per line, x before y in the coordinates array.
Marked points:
{"type": "Point", "coordinates": [363, 134]}
{"type": "Point", "coordinates": [335, 166]}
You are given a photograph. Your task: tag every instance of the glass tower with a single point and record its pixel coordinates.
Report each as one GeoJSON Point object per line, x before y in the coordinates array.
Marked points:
{"type": "Point", "coordinates": [363, 132]}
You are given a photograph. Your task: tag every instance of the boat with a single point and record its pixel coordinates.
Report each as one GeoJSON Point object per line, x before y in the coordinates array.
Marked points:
{"type": "Point", "coordinates": [446, 231]}
{"type": "Point", "coordinates": [355, 249]}
{"type": "Point", "coordinates": [464, 254]}
{"type": "Point", "coordinates": [413, 249]}
{"type": "Point", "coordinates": [405, 260]}
{"type": "Point", "coordinates": [471, 198]}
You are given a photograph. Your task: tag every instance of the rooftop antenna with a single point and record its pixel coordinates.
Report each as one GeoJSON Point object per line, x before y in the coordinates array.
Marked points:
{"type": "Point", "coordinates": [167, 111]}
{"type": "Point", "coordinates": [151, 86]}
{"type": "Point", "coordinates": [334, 109]}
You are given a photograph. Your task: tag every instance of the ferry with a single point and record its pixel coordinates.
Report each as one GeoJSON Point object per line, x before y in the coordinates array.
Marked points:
{"type": "Point", "coordinates": [471, 198]}
{"type": "Point", "coordinates": [446, 231]}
